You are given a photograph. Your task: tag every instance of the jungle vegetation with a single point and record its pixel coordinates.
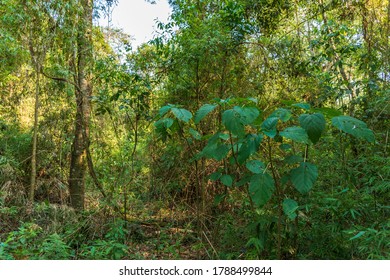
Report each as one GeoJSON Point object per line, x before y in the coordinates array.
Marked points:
{"type": "Point", "coordinates": [246, 129]}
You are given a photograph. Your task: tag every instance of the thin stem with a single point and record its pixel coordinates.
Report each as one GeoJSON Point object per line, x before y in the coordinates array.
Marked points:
{"type": "Point", "coordinates": [279, 200]}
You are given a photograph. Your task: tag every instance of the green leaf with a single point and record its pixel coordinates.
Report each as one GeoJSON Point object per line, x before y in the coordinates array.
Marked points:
{"type": "Point", "coordinates": [314, 124]}
{"type": "Point", "coordinates": [215, 150]}
{"type": "Point", "coordinates": [232, 121]}
{"type": "Point", "coordinates": [303, 106]}
{"type": "Point", "coordinates": [182, 114]}
{"type": "Point", "coordinates": [215, 176]}
{"type": "Point", "coordinates": [261, 188]}
{"type": "Point", "coordinates": [249, 146]}
{"type": "Point", "coordinates": [285, 147]}
{"type": "Point", "coordinates": [164, 123]}
{"type": "Point", "coordinates": [203, 112]}
{"type": "Point", "coordinates": [355, 127]}
{"type": "Point", "coordinates": [247, 114]}
{"type": "Point", "coordinates": [227, 180]}
{"type": "Point", "coordinates": [223, 136]}
{"type": "Point", "coordinates": [295, 133]}
{"type": "Point", "coordinates": [304, 176]}
{"type": "Point", "coordinates": [219, 198]}
{"type": "Point", "coordinates": [282, 114]}
{"type": "Point", "coordinates": [235, 119]}
{"type": "Point", "coordinates": [165, 109]}
{"type": "Point", "coordinates": [255, 166]}
{"type": "Point", "coordinates": [269, 126]}
{"type": "Point", "coordinates": [162, 127]}
{"type": "Point", "coordinates": [293, 159]}
{"type": "Point", "coordinates": [358, 235]}
{"type": "Point", "coordinates": [195, 134]}
{"type": "Point", "coordinates": [290, 206]}
{"type": "Point", "coordinates": [329, 112]}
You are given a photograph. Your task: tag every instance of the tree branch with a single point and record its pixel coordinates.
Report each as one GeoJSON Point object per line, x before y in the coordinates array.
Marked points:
{"type": "Point", "coordinates": [60, 80]}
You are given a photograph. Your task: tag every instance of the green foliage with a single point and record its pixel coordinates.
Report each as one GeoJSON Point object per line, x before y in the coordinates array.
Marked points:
{"type": "Point", "coordinates": [249, 146]}
{"type": "Point", "coordinates": [371, 242]}
{"type": "Point", "coordinates": [290, 208]}
{"type": "Point", "coordinates": [241, 146]}
{"type": "Point", "coordinates": [104, 249]}
{"type": "Point", "coordinates": [203, 112]}
{"type": "Point", "coordinates": [182, 114]}
{"type": "Point", "coordinates": [314, 124]}
{"type": "Point", "coordinates": [261, 188]}
{"type": "Point", "coordinates": [55, 248]}
{"type": "Point", "coordinates": [304, 177]}
{"type": "Point", "coordinates": [227, 180]}
{"type": "Point", "coordinates": [235, 119]}
{"type": "Point", "coordinates": [295, 133]}
{"type": "Point", "coordinates": [269, 126]}
{"type": "Point", "coordinates": [14, 149]}
{"type": "Point", "coordinates": [255, 166]}
{"type": "Point", "coordinates": [22, 243]}
{"type": "Point", "coordinates": [354, 127]}
{"type": "Point", "coordinates": [282, 114]}
{"type": "Point", "coordinates": [279, 171]}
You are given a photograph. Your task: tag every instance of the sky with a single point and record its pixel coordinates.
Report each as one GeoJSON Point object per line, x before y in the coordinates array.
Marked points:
{"type": "Point", "coordinates": [138, 18]}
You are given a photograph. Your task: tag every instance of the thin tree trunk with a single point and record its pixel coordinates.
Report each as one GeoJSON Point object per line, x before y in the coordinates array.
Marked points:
{"type": "Point", "coordinates": [83, 93]}
{"type": "Point", "coordinates": [387, 44]}
{"type": "Point", "coordinates": [33, 174]}
{"type": "Point", "coordinates": [78, 160]}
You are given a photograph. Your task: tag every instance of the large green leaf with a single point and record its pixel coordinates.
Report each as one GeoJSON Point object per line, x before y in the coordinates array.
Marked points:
{"type": "Point", "coordinates": [290, 207]}
{"type": "Point", "coordinates": [223, 136]}
{"type": "Point", "coordinates": [269, 126]}
{"type": "Point", "coordinates": [232, 121]}
{"type": "Point", "coordinates": [293, 159]}
{"type": "Point", "coordinates": [255, 166]}
{"type": "Point", "coordinates": [163, 123]}
{"type": "Point", "coordinates": [261, 188]}
{"type": "Point", "coordinates": [215, 150]}
{"type": "Point", "coordinates": [295, 133]}
{"type": "Point", "coordinates": [165, 109]}
{"type": "Point", "coordinates": [314, 124]}
{"type": "Point", "coordinates": [247, 114]}
{"type": "Point", "coordinates": [215, 176]}
{"type": "Point", "coordinates": [329, 112]}
{"type": "Point", "coordinates": [203, 111]}
{"type": "Point", "coordinates": [162, 127]}
{"type": "Point", "coordinates": [249, 146]}
{"type": "Point", "coordinates": [304, 176]}
{"type": "Point", "coordinates": [354, 127]}
{"type": "Point", "coordinates": [282, 114]}
{"type": "Point", "coordinates": [182, 114]}
{"type": "Point", "coordinates": [235, 119]}
{"type": "Point", "coordinates": [303, 106]}
{"type": "Point", "coordinates": [227, 180]}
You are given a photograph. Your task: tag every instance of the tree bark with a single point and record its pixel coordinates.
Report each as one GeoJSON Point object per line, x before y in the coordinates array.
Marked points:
{"type": "Point", "coordinates": [83, 92]}
{"type": "Point", "coordinates": [33, 175]}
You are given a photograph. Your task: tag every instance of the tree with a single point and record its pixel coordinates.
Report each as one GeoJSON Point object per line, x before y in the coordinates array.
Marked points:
{"type": "Point", "coordinates": [83, 92]}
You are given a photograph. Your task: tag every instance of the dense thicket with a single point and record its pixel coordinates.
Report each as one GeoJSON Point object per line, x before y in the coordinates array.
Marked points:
{"type": "Point", "coordinates": [246, 129]}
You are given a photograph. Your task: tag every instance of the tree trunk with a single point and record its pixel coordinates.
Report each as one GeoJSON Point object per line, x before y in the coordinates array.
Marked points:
{"type": "Point", "coordinates": [33, 175]}
{"type": "Point", "coordinates": [83, 93]}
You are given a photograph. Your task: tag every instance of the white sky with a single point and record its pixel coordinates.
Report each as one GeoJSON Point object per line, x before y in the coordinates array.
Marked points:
{"type": "Point", "coordinates": [138, 18]}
